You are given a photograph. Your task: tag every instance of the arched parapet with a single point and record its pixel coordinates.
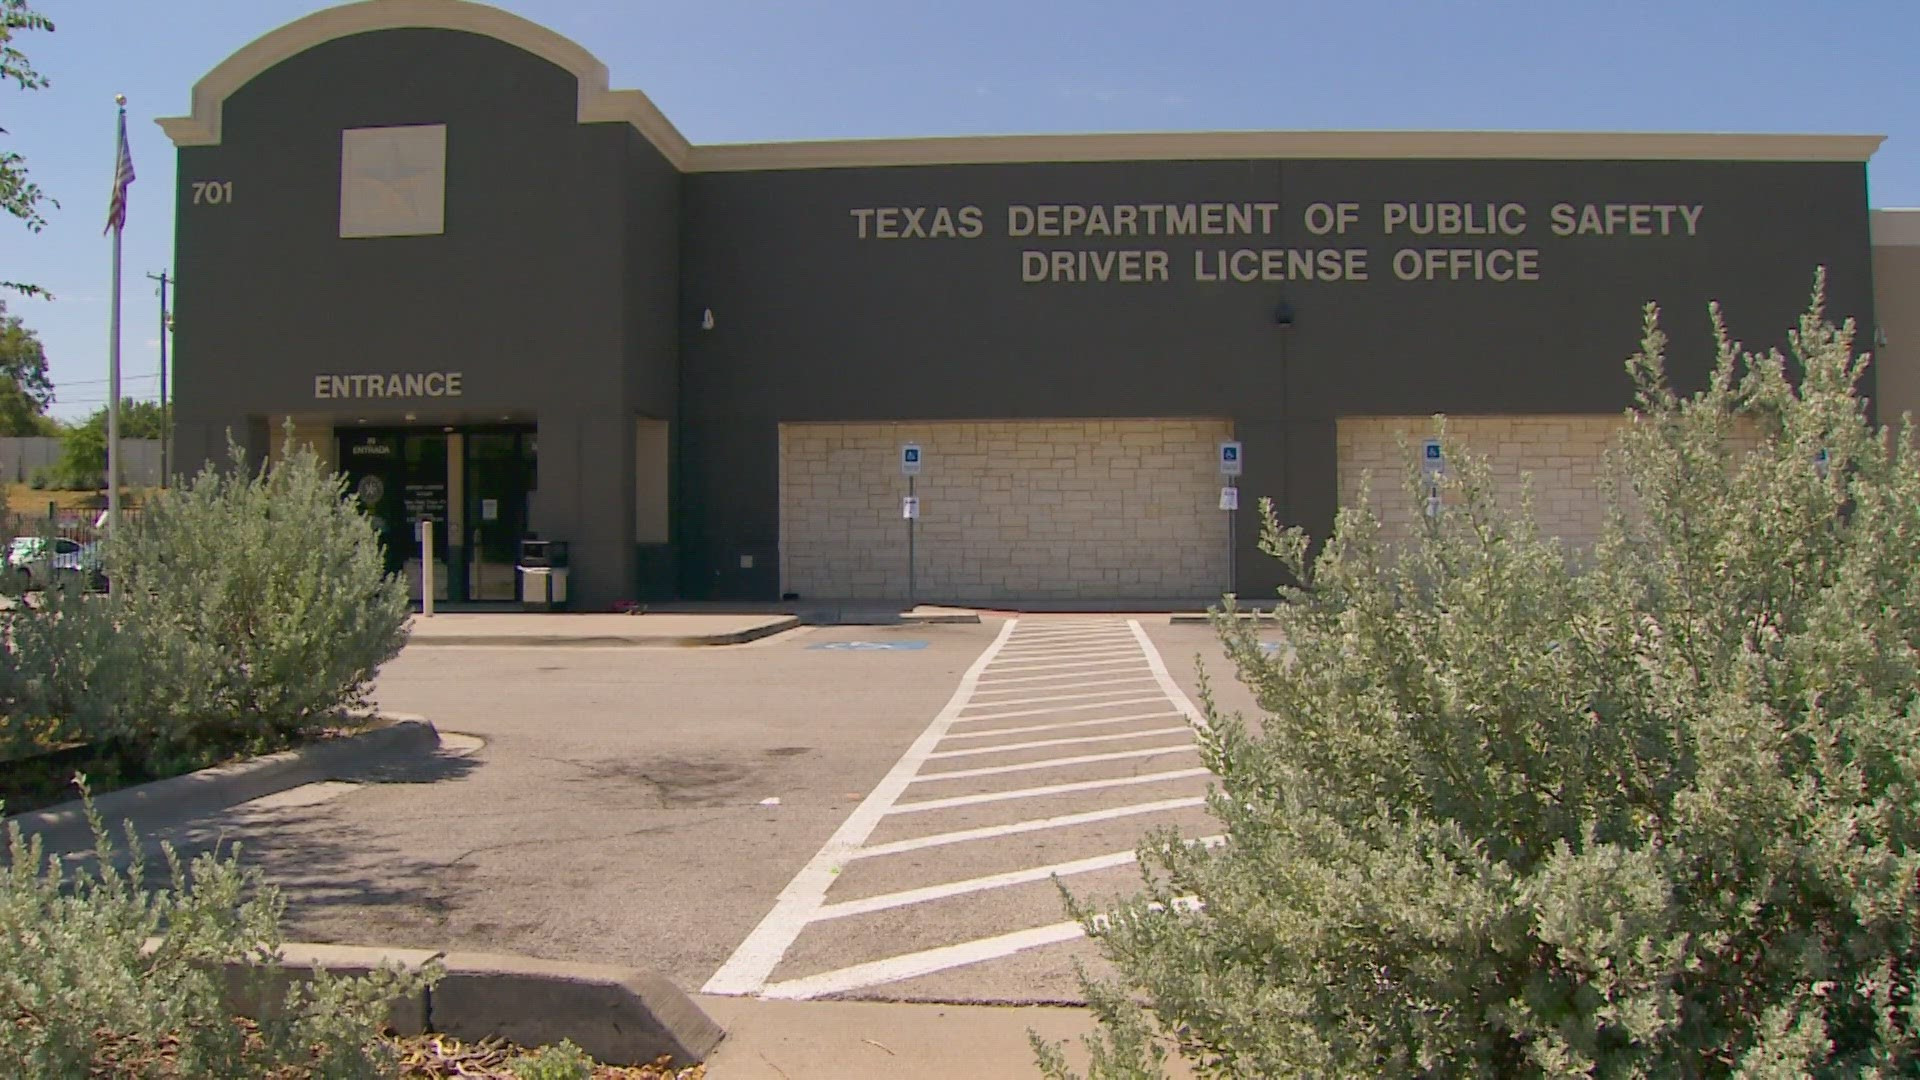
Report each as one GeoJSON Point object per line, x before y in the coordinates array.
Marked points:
{"type": "Point", "coordinates": [597, 103]}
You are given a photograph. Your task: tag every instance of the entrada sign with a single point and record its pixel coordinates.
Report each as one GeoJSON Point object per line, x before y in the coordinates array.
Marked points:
{"type": "Point", "coordinates": [430, 384]}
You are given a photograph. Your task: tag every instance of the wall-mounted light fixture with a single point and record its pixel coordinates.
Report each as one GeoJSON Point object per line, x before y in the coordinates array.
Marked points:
{"type": "Point", "coordinates": [706, 319]}
{"type": "Point", "coordinates": [1283, 314]}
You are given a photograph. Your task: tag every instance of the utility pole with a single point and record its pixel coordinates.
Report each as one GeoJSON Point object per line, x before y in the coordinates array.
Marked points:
{"type": "Point", "coordinates": [166, 418]}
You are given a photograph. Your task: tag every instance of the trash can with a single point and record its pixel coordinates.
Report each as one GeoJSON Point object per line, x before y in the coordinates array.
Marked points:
{"type": "Point", "coordinates": [543, 575]}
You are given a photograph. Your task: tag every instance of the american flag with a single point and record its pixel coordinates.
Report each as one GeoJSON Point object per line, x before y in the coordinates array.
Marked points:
{"type": "Point", "coordinates": [122, 176]}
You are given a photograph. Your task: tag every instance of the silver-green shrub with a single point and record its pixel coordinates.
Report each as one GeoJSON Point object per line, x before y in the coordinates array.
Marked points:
{"type": "Point", "coordinates": [1649, 810]}
{"type": "Point", "coordinates": [249, 604]}
{"type": "Point", "coordinates": [82, 993]}
{"type": "Point", "coordinates": [63, 669]}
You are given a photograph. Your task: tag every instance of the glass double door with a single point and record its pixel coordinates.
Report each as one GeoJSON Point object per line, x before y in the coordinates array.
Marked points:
{"type": "Point", "coordinates": [476, 485]}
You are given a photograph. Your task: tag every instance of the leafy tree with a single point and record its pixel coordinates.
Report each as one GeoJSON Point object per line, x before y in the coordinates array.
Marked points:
{"type": "Point", "coordinates": [19, 196]}
{"type": "Point", "coordinates": [138, 419]}
{"type": "Point", "coordinates": [1647, 810]}
{"type": "Point", "coordinates": [25, 389]}
{"type": "Point", "coordinates": [83, 458]}
{"type": "Point", "coordinates": [83, 446]}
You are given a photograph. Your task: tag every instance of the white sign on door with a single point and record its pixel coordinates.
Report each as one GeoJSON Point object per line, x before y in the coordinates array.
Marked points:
{"type": "Point", "coordinates": [489, 509]}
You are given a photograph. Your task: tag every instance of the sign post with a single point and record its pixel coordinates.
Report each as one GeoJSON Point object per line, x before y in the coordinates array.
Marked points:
{"type": "Point", "coordinates": [910, 510]}
{"type": "Point", "coordinates": [1231, 458]}
{"type": "Point", "coordinates": [426, 568]}
{"type": "Point", "coordinates": [1433, 462]}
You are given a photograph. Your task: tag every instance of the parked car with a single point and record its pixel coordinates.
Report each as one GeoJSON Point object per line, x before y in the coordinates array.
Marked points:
{"type": "Point", "coordinates": [29, 559]}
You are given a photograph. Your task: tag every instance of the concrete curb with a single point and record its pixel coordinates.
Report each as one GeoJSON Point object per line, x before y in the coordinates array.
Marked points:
{"type": "Point", "coordinates": [614, 641]}
{"type": "Point", "coordinates": [622, 1016]}
{"type": "Point", "coordinates": [227, 785]}
{"type": "Point", "coordinates": [1187, 618]}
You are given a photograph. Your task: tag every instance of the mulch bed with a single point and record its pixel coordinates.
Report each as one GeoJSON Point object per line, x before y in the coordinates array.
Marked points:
{"type": "Point", "coordinates": [423, 1057]}
{"type": "Point", "coordinates": [35, 783]}
{"type": "Point", "coordinates": [439, 1056]}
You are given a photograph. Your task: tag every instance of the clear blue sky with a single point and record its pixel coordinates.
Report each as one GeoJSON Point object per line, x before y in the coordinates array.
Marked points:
{"type": "Point", "coordinates": [749, 70]}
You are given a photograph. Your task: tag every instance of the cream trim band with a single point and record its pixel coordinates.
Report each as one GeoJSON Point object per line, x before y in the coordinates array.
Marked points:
{"type": "Point", "coordinates": [599, 104]}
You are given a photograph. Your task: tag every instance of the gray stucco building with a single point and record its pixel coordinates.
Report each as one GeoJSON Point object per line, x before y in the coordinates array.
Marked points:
{"type": "Point", "coordinates": [427, 236]}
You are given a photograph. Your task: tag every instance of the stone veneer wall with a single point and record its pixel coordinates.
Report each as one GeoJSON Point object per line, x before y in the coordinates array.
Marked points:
{"type": "Point", "coordinates": [1109, 509]}
{"type": "Point", "coordinates": [1561, 455]}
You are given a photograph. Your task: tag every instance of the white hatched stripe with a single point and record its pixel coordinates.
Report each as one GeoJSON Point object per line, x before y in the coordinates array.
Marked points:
{"type": "Point", "coordinates": [1064, 724]}
{"type": "Point", "coordinates": [1104, 676]}
{"type": "Point", "coordinates": [1167, 685]}
{"type": "Point", "coordinates": [1055, 763]}
{"type": "Point", "coordinates": [1025, 876]}
{"type": "Point", "coordinates": [1084, 652]}
{"type": "Point", "coordinates": [1061, 821]}
{"type": "Point", "coordinates": [911, 965]}
{"type": "Point", "coordinates": [1062, 708]}
{"type": "Point", "coordinates": [746, 971]}
{"type": "Point", "coordinates": [1038, 743]}
{"type": "Point", "coordinates": [1069, 686]}
{"type": "Point", "coordinates": [882, 902]}
{"type": "Point", "coordinates": [1036, 792]}
{"type": "Point", "coordinates": [1110, 633]}
{"type": "Point", "coordinates": [1129, 662]}
{"type": "Point", "coordinates": [1081, 696]}
{"type": "Point", "coordinates": [1102, 641]}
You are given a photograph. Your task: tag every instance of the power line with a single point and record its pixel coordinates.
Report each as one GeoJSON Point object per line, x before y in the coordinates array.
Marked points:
{"type": "Point", "coordinates": [91, 382]}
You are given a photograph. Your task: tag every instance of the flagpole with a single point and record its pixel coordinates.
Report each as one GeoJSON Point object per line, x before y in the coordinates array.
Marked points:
{"type": "Point", "coordinates": [113, 361]}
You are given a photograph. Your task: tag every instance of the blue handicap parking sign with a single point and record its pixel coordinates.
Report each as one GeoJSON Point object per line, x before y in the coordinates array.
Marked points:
{"type": "Point", "coordinates": [870, 646]}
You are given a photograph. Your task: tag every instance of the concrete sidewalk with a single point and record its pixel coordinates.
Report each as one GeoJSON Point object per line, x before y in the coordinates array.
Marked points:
{"type": "Point", "coordinates": [792, 1040]}
{"type": "Point", "coordinates": [651, 629]}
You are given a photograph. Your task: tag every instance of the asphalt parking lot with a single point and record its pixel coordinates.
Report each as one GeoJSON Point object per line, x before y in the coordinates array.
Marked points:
{"type": "Point", "coordinates": [846, 812]}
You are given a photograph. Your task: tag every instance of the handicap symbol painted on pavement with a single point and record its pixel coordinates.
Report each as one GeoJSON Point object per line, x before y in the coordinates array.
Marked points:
{"type": "Point", "coordinates": [870, 646]}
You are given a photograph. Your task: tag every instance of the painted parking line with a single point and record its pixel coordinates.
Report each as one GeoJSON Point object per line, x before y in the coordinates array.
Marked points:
{"type": "Point", "coordinates": [1105, 641]}
{"type": "Point", "coordinates": [923, 805]}
{"type": "Point", "coordinates": [1057, 697]}
{"type": "Point", "coordinates": [1082, 652]}
{"type": "Point", "coordinates": [1024, 876]}
{"type": "Point", "coordinates": [746, 971]}
{"type": "Point", "coordinates": [1002, 748]}
{"type": "Point", "coordinates": [1182, 747]}
{"type": "Point", "coordinates": [1058, 708]}
{"type": "Point", "coordinates": [976, 733]}
{"type": "Point", "coordinates": [925, 962]}
{"type": "Point", "coordinates": [1125, 661]}
{"type": "Point", "coordinates": [1098, 678]}
{"type": "Point", "coordinates": [1058, 821]}
{"type": "Point", "coordinates": [1045, 670]}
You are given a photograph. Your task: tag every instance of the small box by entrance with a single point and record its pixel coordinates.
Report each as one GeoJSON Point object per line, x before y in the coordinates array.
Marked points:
{"type": "Point", "coordinates": [543, 574]}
